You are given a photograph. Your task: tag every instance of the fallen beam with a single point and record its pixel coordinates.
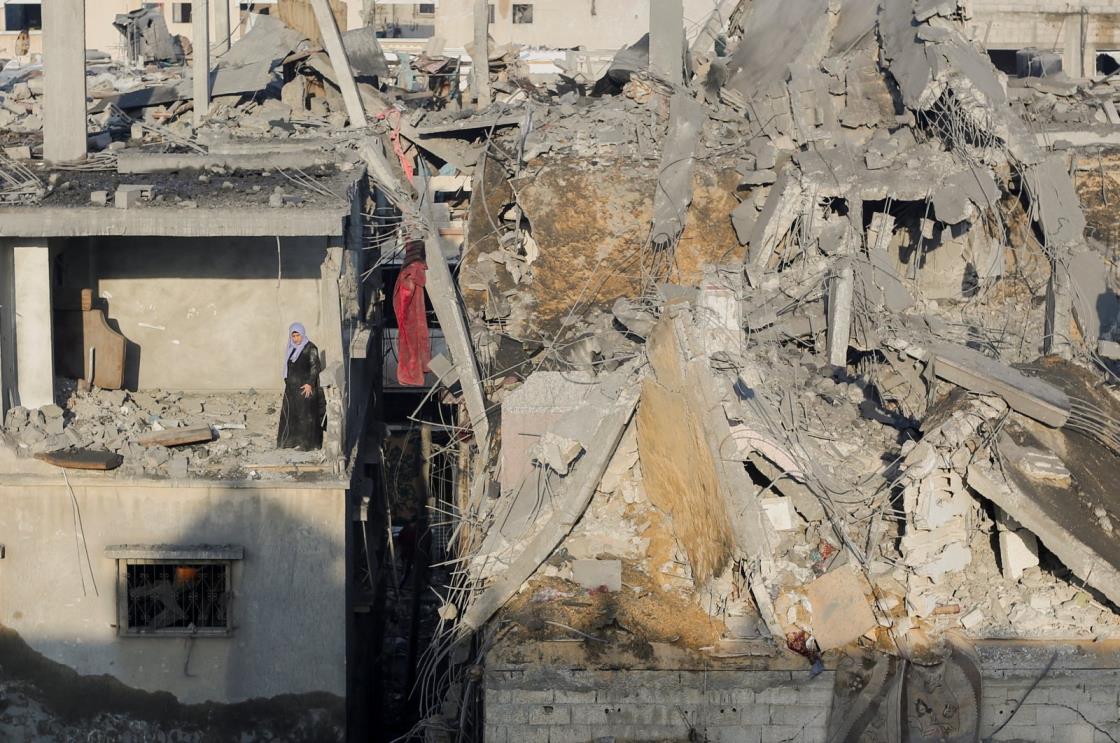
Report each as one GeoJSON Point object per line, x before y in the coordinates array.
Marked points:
{"type": "Point", "coordinates": [332, 40]}
{"type": "Point", "coordinates": [444, 296]}
{"type": "Point", "coordinates": [440, 287]}
{"type": "Point", "coordinates": [177, 437]}
{"type": "Point", "coordinates": [978, 373]}
{"type": "Point", "coordinates": [129, 162]}
{"type": "Point", "coordinates": [570, 503]}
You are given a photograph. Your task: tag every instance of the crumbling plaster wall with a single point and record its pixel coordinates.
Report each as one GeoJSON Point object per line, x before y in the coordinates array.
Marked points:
{"type": "Point", "coordinates": [289, 592]}
{"type": "Point", "coordinates": [207, 313]}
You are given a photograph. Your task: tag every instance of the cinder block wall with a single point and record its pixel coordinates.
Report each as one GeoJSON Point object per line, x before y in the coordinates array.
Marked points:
{"type": "Point", "coordinates": [1076, 701]}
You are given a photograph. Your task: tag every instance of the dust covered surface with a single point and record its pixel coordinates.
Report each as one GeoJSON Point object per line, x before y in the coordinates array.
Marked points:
{"type": "Point", "coordinates": [640, 614]}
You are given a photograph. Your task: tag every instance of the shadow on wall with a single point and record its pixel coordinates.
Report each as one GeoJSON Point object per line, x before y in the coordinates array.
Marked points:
{"type": "Point", "coordinates": [283, 592]}
{"type": "Point", "coordinates": [65, 704]}
{"type": "Point", "coordinates": [198, 313]}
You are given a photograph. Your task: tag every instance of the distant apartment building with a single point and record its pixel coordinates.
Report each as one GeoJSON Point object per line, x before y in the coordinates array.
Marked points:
{"type": "Point", "coordinates": [1086, 35]}
{"type": "Point", "coordinates": [27, 15]}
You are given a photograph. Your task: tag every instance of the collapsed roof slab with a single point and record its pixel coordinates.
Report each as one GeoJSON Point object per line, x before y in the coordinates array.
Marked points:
{"type": "Point", "coordinates": [1072, 517]}
{"type": "Point", "coordinates": [28, 222]}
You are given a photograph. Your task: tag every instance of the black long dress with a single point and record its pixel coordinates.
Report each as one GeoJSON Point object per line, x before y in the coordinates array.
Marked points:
{"type": "Point", "coordinates": [301, 417]}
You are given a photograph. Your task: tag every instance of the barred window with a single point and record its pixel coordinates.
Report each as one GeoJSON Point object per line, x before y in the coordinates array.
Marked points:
{"type": "Point", "coordinates": [174, 591]}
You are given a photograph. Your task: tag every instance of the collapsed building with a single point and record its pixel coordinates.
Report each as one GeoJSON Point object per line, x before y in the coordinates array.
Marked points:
{"type": "Point", "coordinates": [772, 392]}
{"type": "Point", "coordinates": [763, 351]}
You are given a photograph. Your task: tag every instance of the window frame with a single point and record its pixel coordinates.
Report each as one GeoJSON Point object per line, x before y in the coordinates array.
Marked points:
{"type": "Point", "coordinates": [126, 555]}
{"type": "Point", "coordinates": [177, 8]}
{"type": "Point", "coordinates": [513, 15]}
{"type": "Point", "coordinates": [30, 29]}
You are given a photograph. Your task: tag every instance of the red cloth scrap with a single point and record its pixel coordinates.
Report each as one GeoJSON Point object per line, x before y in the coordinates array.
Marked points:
{"type": "Point", "coordinates": [414, 346]}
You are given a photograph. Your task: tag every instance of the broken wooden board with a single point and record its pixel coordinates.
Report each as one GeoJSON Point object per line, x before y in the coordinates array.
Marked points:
{"type": "Point", "coordinates": [81, 459]}
{"type": "Point", "coordinates": [178, 437]}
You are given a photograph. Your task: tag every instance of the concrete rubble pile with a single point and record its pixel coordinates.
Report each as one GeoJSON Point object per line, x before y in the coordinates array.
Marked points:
{"type": "Point", "coordinates": [234, 433]}
{"type": "Point", "coordinates": [766, 349]}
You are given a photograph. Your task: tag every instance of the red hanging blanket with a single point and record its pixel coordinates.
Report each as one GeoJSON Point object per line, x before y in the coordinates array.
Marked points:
{"type": "Point", "coordinates": [414, 347]}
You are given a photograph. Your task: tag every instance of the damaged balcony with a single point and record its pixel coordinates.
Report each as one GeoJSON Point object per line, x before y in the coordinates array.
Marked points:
{"type": "Point", "coordinates": [160, 369]}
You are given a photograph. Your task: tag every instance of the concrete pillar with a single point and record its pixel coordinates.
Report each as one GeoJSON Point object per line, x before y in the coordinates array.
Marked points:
{"type": "Point", "coordinates": [200, 16]}
{"type": "Point", "coordinates": [34, 339]}
{"type": "Point", "coordinates": [666, 40]}
{"type": "Point", "coordinates": [332, 40]}
{"type": "Point", "coordinates": [841, 291]}
{"type": "Point", "coordinates": [1059, 312]}
{"type": "Point", "coordinates": [8, 391]}
{"type": "Point", "coordinates": [1073, 60]}
{"type": "Point", "coordinates": [200, 69]}
{"type": "Point", "coordinates": [221, 26]}
{"type": "Point", "coordinates": [480, 60]}
{"type": "Point", "coordinates": [64, 70]}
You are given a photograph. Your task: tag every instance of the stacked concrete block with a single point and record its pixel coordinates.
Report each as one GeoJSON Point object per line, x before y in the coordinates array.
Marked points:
{"type": "Point", "coordinates": [547, 703]}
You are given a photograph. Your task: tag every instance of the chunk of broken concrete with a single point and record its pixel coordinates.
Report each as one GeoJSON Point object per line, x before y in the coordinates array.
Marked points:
{"type": "Point", "coordinates": [1018, 550]}
{"type": "Point", "coordinates": [555, 452]}
{"type": "Point", "coordinates": [594, 574]}
{"type": "Point", "coordinates": [780, 513]}
{"type": "Point", "coordinates": [758, 178]}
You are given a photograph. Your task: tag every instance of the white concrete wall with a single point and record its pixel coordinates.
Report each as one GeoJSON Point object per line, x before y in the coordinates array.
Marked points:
{"type": "Point", "coordinates": [288, 610]}
{"type": "Point", "coordinates": [208, 314]}
{"type": "Point", "coordinates": [1050, 24]}
{"type": "Point", "coordinates": [562, 23]}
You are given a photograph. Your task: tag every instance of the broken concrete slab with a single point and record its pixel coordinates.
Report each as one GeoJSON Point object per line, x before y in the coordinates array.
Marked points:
{"type": "Point", "coordinates": [555, 452]}
{"type": "Point", "coordinates": [529, 412]}
{"type": "Point", "coordinates": [841, 610]}
{"type": "Point", "coordinates": [570, 501]}
{"type": "Point", "coordinates": [978, 373]}
{"type": "Point", "coordinates": [1066, 526]}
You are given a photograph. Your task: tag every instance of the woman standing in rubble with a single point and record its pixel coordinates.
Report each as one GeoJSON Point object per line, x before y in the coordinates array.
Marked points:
{"type": "Point", "coordinates": [302, 414]}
